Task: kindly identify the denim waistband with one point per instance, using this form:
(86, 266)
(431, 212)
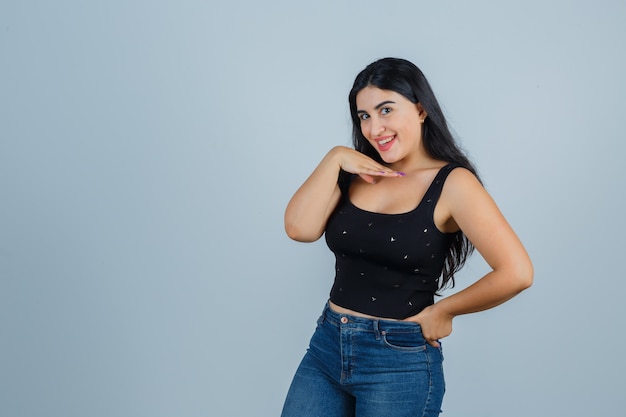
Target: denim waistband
(367, 324)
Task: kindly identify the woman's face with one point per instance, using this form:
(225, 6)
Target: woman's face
(391, 123)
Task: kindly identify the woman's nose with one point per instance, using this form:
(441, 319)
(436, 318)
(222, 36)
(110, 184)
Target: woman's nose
(376, 128)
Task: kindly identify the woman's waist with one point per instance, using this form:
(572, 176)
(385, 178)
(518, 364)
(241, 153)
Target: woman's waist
(355, 321)
(346, 311)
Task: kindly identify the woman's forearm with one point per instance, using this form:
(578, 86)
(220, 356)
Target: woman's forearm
(490, 291)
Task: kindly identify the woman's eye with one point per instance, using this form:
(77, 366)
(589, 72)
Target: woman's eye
(385, 110)
(364, 116)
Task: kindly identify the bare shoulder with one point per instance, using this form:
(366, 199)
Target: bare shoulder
(461, 192)
(462, 184)
(470, 206)
(461, 176)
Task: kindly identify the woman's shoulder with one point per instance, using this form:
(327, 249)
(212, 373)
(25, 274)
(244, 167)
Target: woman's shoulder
(461, 184)
(452, 172)
(459, 173)
(464, 191)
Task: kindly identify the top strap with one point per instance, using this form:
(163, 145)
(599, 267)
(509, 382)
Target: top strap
(434, 191)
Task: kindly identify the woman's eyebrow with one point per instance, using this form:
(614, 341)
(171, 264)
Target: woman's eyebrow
(383, 103)
(378, 106)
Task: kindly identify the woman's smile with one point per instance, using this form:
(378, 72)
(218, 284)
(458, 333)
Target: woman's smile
(385, 142)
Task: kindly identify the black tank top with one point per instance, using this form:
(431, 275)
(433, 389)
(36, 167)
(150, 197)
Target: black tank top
(388, 265)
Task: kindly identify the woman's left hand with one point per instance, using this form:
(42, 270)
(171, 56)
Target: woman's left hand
(435, 324)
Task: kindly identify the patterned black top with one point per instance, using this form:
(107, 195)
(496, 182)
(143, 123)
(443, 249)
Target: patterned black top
(388, 265)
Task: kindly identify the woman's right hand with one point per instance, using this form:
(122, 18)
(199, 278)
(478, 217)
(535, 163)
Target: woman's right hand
(355, 162)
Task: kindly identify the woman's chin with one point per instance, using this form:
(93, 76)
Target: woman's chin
(388, 159)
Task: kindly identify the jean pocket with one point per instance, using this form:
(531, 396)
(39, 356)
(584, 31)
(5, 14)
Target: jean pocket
(406, 341)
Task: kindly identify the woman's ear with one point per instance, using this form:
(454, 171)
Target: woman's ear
(422, 112)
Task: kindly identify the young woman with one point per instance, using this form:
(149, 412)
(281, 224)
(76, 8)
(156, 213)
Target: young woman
(401, 212)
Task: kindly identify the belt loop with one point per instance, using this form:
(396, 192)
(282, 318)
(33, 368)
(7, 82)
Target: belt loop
(376, 330)
(324, 315)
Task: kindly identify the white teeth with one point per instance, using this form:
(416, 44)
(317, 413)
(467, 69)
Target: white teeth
(386, 141)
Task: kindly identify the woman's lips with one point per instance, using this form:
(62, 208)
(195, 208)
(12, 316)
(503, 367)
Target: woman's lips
(385, 142)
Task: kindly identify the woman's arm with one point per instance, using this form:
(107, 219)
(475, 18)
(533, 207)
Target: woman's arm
(309, 208)
(476, 214)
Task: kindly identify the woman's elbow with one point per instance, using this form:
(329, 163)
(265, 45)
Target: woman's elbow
(524, 275)
(299, 234)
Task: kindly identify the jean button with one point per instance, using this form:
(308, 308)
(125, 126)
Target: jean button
(344, 320)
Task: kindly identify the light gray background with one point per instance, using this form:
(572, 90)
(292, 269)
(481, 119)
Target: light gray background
(148, 149)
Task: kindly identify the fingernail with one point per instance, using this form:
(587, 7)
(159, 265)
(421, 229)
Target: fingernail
(400, 173)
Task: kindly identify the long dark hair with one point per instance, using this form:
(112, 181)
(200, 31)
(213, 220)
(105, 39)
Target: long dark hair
(406, 78)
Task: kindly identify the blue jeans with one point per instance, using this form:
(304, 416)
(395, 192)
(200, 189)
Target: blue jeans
(358, 367)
